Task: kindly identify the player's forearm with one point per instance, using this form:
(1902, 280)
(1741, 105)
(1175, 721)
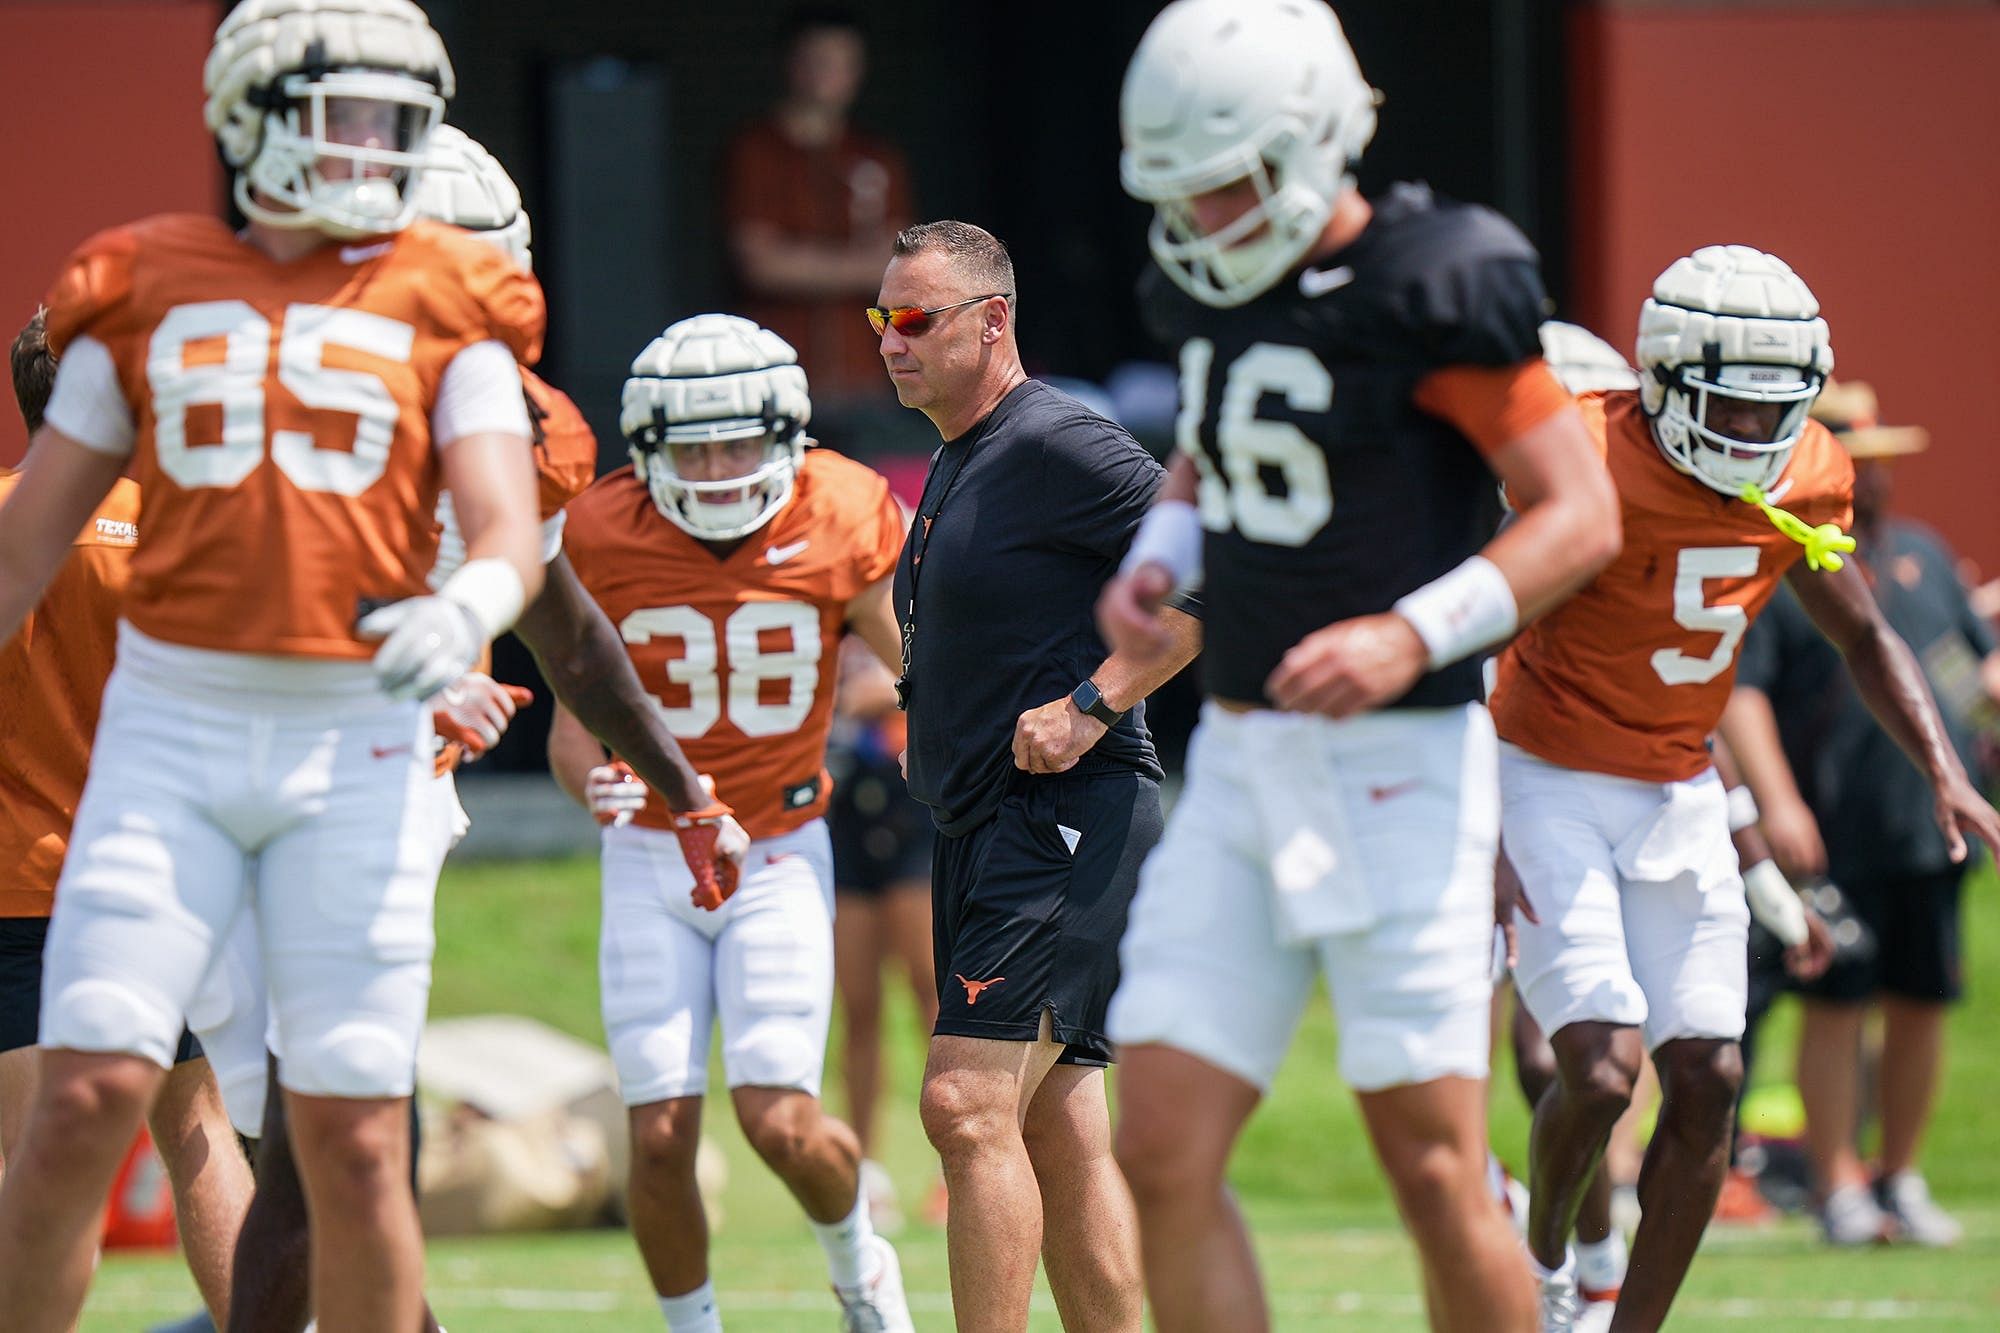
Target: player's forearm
(1892, 684)
(61, 483)
(572, 753)
(1558, 544)
(1124, 682)
(588, 671)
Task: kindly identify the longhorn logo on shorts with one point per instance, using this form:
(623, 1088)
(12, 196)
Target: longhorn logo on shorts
(973, 988)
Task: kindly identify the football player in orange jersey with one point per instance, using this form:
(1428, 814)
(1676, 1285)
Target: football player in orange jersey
(1612, 813)
(289, 400)
(51, 681)
(731, 560)
(587, 669)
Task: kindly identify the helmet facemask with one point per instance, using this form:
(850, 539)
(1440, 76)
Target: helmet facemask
(1722, 460)
(312, 120)
(726, 508)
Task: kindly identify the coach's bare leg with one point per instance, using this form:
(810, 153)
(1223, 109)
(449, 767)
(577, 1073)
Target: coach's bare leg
(1090, 1232)
(353, 1156)
(975, 1099)
(817, 1156)
(1535, 1071)
(1912, 1059)
(1829, 1078)
(210, 1176)
(1178, 1119)
(668, 1222)
(1682, 1174)
(1432, 1142)
(1597, 1065)
(86, 1109)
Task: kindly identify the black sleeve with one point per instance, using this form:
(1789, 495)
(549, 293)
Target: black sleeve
(1097, 483)
(1485, 312)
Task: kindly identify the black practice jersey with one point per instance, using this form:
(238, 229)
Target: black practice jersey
(1326, 493)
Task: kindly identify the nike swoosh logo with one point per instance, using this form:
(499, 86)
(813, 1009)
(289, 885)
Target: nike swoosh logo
(778, 555)
(388, 751)
(1318, 282)
(361, 254)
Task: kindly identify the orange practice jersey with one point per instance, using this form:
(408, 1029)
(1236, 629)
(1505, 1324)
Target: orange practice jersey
(1629, 677)
(565, 446)
(52, 678)
(741, 650)
(283, 416)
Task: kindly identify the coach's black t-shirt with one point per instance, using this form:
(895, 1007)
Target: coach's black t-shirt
(1029, 513)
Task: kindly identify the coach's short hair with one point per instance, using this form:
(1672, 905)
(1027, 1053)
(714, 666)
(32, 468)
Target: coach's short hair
(976, 254)
(34, 369)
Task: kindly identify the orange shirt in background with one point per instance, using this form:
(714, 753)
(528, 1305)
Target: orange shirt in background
(854, 189)
(52, 678)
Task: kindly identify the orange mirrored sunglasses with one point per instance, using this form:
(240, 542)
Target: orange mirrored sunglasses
(912, 320)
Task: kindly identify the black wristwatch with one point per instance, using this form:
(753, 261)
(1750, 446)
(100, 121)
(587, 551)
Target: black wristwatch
(1089, 700)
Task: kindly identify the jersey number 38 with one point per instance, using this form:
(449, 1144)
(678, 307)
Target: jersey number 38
(762, 643)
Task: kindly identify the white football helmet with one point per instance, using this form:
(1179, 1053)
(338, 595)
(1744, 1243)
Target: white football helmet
(282, 78)
(1222, 91)
(465, 185)
(716, 378)
(1733, 322)
(1582, 361)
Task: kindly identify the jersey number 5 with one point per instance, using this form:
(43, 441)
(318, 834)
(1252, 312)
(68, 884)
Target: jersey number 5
(234, 384)
(730, 671)
(1694, 565)
(1251, 447)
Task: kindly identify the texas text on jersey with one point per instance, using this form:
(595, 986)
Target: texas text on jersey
(334, 360)
(1630, 676)
(52, 677)
(1336, 422)
(738, 645)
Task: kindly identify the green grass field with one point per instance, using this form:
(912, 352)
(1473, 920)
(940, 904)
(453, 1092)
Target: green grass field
(522, 938)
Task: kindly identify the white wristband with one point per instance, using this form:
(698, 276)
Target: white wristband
(490, 588)
(1170, 537)
(1775, 903)
(1470, 608)
(1742, 809)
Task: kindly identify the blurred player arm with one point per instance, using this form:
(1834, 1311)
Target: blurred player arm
(62, 483)
(573, 752)
(1568, 524)
(598, 692)
(1891, 683)
(1165, 555)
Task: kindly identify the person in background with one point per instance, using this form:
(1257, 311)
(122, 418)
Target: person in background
(1838, 798)
(882, 840)
(810, 207)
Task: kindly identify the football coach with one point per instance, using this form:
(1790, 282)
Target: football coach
(1027, 740)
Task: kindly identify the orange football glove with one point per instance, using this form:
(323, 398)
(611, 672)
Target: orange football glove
(714, 845)
(475, 710)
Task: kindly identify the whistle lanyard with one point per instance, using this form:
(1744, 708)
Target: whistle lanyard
(920, 540)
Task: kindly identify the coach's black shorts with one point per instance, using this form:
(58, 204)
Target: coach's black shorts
(881, 834)
(21, 940)
(1027, 909)
(1916, 955)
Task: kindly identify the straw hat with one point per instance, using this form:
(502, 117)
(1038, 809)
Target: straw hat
(1849, 410)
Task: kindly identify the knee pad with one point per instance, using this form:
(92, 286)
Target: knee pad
(100, 1014)
(358, 1057)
